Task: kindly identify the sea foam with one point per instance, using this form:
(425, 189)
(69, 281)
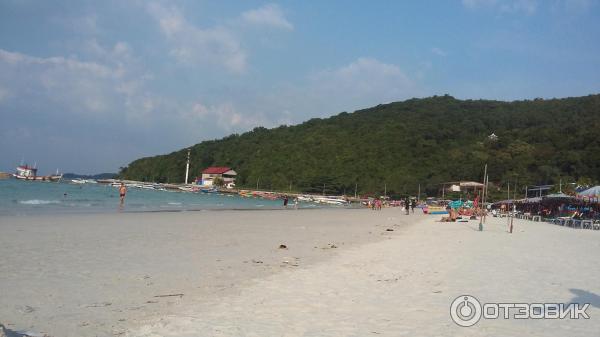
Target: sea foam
(38, 202)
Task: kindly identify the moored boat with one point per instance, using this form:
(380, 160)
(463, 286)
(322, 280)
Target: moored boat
(209, 190)
(26, 172)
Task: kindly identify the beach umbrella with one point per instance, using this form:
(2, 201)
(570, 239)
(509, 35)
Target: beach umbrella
(593, 192)
(590, 193)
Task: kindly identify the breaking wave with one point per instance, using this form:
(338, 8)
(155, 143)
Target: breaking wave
(38, 202)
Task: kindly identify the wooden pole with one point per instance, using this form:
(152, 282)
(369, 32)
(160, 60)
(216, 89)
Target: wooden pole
(487, 180)
(482, 198)
(508, 206)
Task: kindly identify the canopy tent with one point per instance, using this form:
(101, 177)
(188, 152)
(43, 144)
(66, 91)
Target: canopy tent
(529, 200)
(471, 184)
(593, 192)
(459, 203)
(462, 186)
(503, 202)
(559, 195)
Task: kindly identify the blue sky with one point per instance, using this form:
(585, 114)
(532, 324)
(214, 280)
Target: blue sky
(88, 86)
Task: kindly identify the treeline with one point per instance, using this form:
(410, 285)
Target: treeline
(395, 147)
(90, 176)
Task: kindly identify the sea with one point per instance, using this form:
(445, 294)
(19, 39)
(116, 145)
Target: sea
(34, 197)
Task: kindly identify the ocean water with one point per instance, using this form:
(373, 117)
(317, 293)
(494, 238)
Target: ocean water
(33, 197)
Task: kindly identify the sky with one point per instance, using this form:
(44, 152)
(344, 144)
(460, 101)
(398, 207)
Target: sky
(89, 86)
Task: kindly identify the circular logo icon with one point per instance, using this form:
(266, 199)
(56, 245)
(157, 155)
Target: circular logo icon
(465, 310)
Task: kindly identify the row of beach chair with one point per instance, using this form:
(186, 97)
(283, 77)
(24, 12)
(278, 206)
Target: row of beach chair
(577, 223)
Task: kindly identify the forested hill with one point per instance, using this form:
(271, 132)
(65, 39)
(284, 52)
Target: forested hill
(399, 145)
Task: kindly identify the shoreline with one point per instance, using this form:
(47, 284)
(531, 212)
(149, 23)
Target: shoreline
(82, 212)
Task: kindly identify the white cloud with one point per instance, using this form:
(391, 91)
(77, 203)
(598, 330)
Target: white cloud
(438, 51)
(224, 115)
(4, 94)
(472, 4)
(573, 6)
(363, 83)
(364, 80)
(110, 86)
(268, 15)
(193, 46)
(528, 7)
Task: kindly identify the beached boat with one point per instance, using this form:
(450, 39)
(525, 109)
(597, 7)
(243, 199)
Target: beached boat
(209, 190)
(191, 188)
(330, 200)
(26, 172)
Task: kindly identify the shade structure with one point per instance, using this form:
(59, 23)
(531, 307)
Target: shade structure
(559, 195)
(593, 192)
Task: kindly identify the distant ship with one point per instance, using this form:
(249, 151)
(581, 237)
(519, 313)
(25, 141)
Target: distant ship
(26, 172)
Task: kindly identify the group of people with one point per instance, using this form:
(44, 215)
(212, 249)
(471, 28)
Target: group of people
(375, 205)
(286, 201)
(556, 208)
(408, 204)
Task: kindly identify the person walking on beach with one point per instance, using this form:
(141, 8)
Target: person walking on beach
(122, 192)
(412, 206)
(407, 205)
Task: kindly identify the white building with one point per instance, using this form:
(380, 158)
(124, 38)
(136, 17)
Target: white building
(227, 174)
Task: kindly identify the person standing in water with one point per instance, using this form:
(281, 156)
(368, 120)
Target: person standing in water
(122, 192)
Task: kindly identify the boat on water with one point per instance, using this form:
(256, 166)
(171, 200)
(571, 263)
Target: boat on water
(26, 172)
(83, 181)
(330, 200)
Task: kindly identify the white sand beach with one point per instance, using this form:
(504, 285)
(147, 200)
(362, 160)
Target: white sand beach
(99, 275)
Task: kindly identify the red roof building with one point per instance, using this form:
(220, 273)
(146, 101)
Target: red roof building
(216, 170)
(209, 174)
